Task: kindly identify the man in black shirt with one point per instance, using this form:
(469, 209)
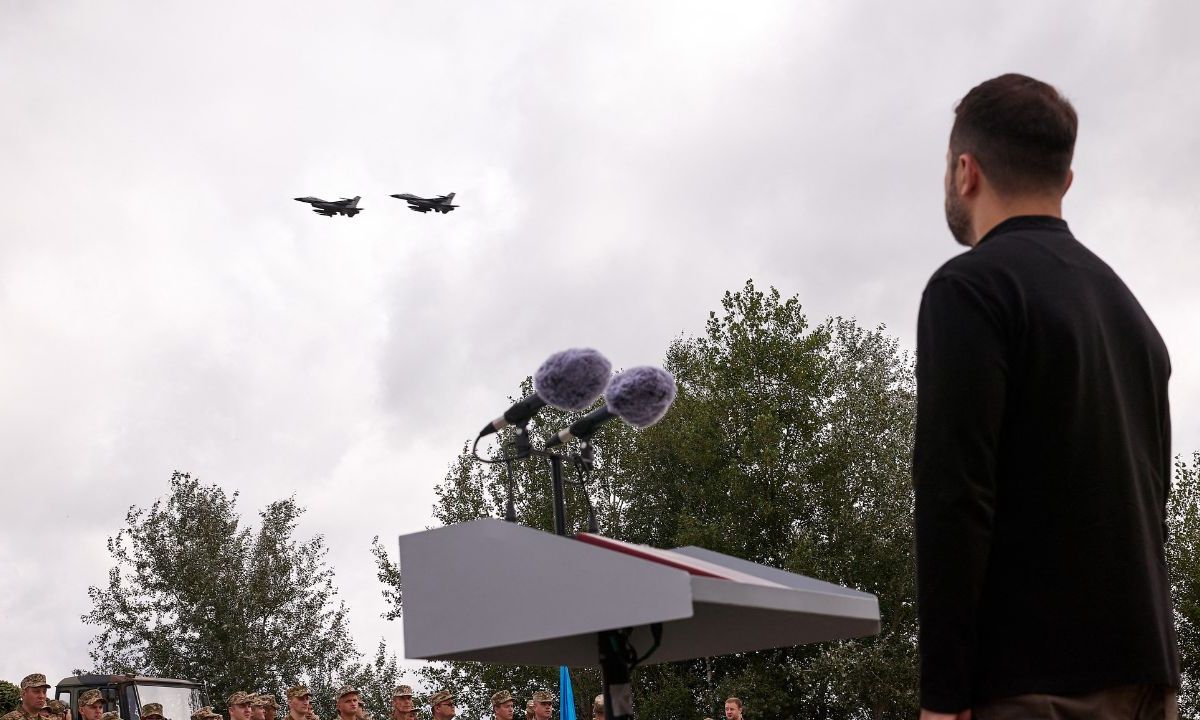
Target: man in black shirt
(1042, 458)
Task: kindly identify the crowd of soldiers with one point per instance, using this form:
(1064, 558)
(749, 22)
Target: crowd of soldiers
(245, 706)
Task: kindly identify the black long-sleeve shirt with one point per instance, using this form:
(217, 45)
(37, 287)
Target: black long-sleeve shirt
(1041, 467)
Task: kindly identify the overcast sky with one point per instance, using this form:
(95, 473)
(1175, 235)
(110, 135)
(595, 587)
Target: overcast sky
(165, 304)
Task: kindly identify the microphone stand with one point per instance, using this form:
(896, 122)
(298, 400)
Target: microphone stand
(617, 656)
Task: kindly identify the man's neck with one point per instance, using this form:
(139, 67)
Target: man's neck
(993, 213)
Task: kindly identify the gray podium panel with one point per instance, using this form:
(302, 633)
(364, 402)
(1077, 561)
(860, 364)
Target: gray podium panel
(489, 584)
(555, 594)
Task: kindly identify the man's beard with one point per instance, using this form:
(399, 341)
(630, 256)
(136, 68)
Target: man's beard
(957, 217)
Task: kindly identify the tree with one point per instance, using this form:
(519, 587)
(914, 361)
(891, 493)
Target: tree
(194, 593)
(789, 444)
(10, 696)
(1183, 562)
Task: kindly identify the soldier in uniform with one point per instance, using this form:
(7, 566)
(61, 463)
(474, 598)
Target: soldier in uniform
(299, 704)
(56, 710)
(33, 698)
(502, 705)
(347, 703)
(543, 705)
(111, 715)
(239, 706)
(268, 706)
(442, 704)
(402, 704)
(91, 704)
(206, 713)
(152, 711)
(529, 710)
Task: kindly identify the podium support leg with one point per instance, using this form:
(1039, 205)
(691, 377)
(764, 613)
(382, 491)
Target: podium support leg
(615, 674)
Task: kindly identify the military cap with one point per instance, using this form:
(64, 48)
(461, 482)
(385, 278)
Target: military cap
(345, 690)
(150, 710)
(239, 698)
(542, 696)
(203, 713)
(90, 697)
(297, 691)
(440, 697)
(111, 715)
(56, 707)
(36, 680)
(267, 700)
(402, 691)
(501, 697)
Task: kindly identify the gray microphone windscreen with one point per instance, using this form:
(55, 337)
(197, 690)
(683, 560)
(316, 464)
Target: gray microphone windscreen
(641, 395)
(572, 379)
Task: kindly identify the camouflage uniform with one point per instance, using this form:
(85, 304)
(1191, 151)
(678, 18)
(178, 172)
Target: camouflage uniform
(33, 680)
(296, 692)
(541, 696)
(111, 715)
(437, 699)
(502, 697)
(403, 691)
(90, 697)
(152, 710)
(267, 700)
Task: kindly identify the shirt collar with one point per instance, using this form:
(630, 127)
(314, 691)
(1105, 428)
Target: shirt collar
(1024, 222)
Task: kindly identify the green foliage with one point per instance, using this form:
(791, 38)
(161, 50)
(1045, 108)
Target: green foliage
(389, 575)
(1183, 562)
(196, 594)
(10, 696)
(789, 445)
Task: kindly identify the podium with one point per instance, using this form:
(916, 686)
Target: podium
(494, 591)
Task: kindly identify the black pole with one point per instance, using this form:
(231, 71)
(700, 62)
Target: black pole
(615, 669)
(560, 507)
(615, 674)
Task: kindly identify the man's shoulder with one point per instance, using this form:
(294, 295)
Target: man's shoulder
(17, 714)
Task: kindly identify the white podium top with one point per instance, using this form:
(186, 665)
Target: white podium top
(498, 592)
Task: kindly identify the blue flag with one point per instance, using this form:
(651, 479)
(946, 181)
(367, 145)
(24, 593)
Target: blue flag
(566, 698)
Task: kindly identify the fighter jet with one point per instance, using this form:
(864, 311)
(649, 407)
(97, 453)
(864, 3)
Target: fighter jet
(346, 206)
(441, 203)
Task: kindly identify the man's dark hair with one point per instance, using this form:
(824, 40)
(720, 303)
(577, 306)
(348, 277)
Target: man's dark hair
(1020, 131)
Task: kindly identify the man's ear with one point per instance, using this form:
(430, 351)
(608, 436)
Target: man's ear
(967, 179)
(1070, 179)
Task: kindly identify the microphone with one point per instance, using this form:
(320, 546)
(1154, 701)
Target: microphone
(581, 428)
(569, 380)
(640, 396)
